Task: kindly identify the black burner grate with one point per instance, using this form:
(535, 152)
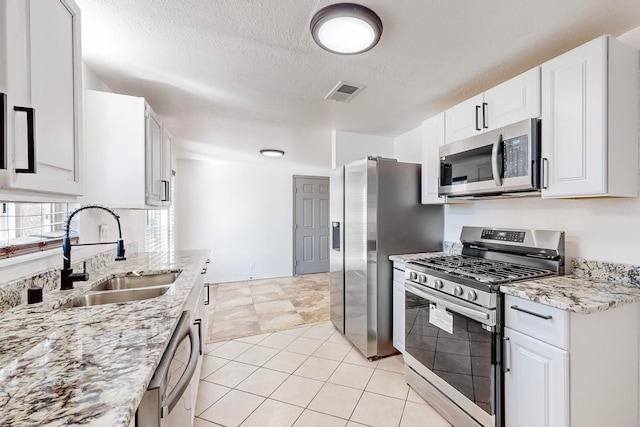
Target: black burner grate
(480, 269)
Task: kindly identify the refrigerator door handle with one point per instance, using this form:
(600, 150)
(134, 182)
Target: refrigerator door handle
(335, 235)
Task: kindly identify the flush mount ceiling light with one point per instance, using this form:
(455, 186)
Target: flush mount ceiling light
(346, 28)
(272, 153)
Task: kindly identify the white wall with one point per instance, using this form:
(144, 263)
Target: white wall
(349, 146)
(242, 212)
(408, 146)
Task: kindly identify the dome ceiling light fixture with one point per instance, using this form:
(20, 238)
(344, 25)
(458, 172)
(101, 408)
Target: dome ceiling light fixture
(270, 152)
(346, 28)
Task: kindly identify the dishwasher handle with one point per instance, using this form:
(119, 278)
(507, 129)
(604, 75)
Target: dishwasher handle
(174, 396)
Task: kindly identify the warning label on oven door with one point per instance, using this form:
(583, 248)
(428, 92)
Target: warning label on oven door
(439, 317)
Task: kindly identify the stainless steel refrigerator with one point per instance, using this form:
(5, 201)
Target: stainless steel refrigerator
(375, 212)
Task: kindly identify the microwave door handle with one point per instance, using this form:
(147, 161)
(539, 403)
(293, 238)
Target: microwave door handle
(495, 167)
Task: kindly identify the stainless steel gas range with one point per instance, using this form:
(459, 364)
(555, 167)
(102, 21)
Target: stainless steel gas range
(453, 318)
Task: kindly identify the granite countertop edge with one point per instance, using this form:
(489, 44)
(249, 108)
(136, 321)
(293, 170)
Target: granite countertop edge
(570, 293)
(90, 365)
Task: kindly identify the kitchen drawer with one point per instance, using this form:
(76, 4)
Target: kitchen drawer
(398, 275)
(548, 324)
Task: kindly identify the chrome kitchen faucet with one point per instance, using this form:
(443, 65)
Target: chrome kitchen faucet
(67, 276)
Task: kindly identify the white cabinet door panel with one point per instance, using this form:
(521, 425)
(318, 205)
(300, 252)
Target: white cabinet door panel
(514, 100)
(398, 315)
(464, 120)
(537, 383)
(432, 139)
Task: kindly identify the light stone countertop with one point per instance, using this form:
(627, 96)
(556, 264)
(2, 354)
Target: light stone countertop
(89, 365)
(583, 292)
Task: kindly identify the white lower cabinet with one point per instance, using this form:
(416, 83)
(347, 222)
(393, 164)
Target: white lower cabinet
(398, 306)
(536, 382)
(568, 369)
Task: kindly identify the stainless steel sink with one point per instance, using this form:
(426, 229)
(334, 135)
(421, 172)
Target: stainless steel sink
(136, 282)
(110, 297)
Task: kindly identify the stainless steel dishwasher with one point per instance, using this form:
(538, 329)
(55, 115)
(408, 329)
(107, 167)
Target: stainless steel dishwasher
(168, 401)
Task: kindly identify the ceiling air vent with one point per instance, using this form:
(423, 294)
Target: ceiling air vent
(344, 91)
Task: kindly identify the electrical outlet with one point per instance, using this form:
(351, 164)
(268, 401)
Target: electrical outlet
(102, 232)
(252, 265)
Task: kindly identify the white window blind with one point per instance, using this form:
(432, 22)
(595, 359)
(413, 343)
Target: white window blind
(32, 227)
(159, 231)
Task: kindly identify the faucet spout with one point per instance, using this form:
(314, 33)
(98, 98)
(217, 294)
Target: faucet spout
(67, 276)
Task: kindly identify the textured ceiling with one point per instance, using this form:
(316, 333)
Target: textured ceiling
(232, 76)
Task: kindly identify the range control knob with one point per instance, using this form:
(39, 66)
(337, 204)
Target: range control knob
(472, 295)
(413, 275)
(439, 284)
(422, 279)
(457, 291)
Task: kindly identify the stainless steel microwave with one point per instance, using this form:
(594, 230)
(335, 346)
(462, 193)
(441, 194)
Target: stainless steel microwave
(505, 161)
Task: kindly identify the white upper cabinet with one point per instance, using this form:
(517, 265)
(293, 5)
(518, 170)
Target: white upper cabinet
(590, 121)
(510, 102)
(128, 152)
(42, 86)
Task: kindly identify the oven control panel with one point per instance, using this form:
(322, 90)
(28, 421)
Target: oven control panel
(483, 298)
(503, 235)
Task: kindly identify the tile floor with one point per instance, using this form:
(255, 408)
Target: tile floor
(239, 309)
(309, 376)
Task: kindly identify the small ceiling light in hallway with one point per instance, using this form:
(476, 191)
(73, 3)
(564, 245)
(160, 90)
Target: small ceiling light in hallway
(272, 153)
(346, 28)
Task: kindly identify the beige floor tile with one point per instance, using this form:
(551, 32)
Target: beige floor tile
(241, 312)
(414, 397)
(225, 330)
(316, 419)
(210, 347)
(416, 414)
(273, 414)
(210, 364)
(233, 408)
(274, 307)
(233, 302)
(351, 376)
(199, 422)
(265, 289)
(296, 331)
(208, 394)
(269, 297)
(378, 411)
(338, 338)
(297, 391)
(279, 320)
(312, 316)
(304, 346)
(392, 363)
(336, 400)
(277, 340)
(232, 292)
(356, 358)
(286, 361)
(257, 355)
(317, 368)
(232, 285)
(318, 332)
(333, 351)
(253, 339)
(231, 374)
(354, 424)
(231, 349)
(263, 382)
(388, 383)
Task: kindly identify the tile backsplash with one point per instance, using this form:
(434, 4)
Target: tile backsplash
(14, 293)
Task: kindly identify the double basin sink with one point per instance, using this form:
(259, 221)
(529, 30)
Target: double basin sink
(126, 288)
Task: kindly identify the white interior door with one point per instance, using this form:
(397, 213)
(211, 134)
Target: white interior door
(311, 228)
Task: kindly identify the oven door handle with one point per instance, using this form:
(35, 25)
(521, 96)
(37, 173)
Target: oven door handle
(451, 305)
(174, 396)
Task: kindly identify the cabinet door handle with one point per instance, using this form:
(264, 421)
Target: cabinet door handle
(484, 115)
(545, 173)
(3, 131)
(204, 271)
(477, 119)
(542, 316)
(31, 139)
(507, 348)
(207, 261)
(208, 300)
(198, 322)
(165, 183)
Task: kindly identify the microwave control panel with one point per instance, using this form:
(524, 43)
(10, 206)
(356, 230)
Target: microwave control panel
(503, 235)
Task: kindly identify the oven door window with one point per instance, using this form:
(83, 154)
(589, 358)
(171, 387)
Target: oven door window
(463, 358)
